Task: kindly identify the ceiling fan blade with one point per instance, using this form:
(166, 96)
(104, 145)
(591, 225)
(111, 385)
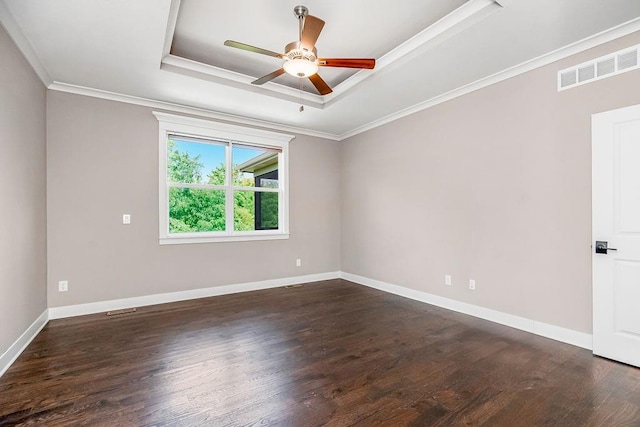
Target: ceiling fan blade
(262, 80)
(254, 49)
(311, 31)
(347, 62)
(320, 84)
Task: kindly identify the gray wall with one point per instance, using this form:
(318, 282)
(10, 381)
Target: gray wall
(102, 159)
(23, 262)
(493, 186)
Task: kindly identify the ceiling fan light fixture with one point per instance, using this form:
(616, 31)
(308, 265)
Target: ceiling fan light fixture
(300, 67)
(301, 56)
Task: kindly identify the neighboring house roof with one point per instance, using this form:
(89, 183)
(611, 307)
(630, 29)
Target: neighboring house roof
(261, 162)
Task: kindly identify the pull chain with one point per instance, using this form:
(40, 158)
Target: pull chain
(301, 106)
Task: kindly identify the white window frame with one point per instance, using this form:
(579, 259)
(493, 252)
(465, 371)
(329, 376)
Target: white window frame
(171, 124)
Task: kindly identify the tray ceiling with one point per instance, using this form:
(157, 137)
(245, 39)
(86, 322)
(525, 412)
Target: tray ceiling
(353, 29)
(171, 51)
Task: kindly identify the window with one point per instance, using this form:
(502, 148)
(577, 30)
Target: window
(221, 182)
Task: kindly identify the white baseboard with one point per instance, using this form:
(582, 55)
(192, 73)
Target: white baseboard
(16, 349)
(120, 304)
(569, 336)
(557, 333)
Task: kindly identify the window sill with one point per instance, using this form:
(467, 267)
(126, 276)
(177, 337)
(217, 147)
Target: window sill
(180, 240)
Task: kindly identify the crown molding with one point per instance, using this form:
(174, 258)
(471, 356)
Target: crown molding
(546, 59)
(18, 37)
(185, 109)
(559, 54)
(16, 34)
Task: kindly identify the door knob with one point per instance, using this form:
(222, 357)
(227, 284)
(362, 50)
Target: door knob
(602, 247)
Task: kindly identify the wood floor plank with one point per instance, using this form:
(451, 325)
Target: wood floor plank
(325, 354)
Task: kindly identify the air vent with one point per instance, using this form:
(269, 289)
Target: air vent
(599, 68)
(607, 66)
(628, 60)
(568, 78)
(586, 73)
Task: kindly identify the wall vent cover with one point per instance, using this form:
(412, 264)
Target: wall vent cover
(606, 66)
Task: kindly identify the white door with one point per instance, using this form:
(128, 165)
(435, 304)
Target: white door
(616, 220)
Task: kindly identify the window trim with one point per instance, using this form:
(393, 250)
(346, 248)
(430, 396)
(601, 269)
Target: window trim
(229, 134)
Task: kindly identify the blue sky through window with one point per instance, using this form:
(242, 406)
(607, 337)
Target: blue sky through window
(212, 155)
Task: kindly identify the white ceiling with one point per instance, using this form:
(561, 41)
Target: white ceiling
(172, 51)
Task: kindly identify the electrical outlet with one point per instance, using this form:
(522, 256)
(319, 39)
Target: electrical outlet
(447, 280)
(298, 262)
(63, 286)
(126, 219)
(472, 284)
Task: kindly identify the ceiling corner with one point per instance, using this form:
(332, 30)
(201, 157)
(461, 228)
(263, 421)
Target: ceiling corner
(16, 34)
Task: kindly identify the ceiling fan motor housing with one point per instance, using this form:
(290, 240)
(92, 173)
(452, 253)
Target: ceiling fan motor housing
(294, 50)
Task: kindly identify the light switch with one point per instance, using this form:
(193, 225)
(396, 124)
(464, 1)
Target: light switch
(126, 219)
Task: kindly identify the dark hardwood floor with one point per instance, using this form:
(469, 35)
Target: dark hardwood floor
(329, 353)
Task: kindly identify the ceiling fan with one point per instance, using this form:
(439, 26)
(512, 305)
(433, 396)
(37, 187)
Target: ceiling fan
(301, 57)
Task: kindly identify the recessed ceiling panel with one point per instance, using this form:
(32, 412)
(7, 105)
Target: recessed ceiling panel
(353, 29)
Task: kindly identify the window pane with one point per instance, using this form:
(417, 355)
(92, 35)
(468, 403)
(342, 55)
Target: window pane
(193, 162)
(255, 210)
(266, 211)
(244, 210)
(194, 210)
(255, 167)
